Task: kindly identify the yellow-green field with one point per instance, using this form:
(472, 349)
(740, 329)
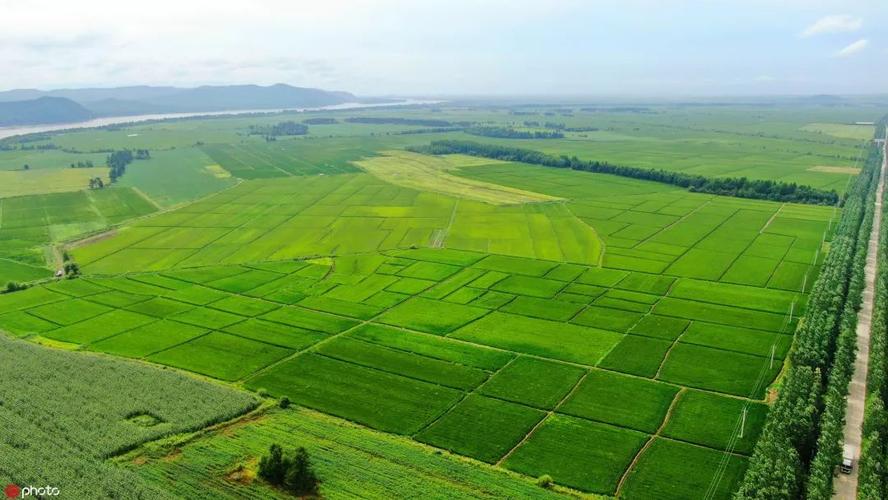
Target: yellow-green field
(432, 173)
(27, 182)
(842, 130)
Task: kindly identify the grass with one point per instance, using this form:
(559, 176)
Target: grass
(481, 428)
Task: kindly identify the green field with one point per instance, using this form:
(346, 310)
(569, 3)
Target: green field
(100, 407)
(475, 324)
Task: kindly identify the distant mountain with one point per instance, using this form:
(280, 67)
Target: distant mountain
(234, 97)
(42, 110)
(138, 100)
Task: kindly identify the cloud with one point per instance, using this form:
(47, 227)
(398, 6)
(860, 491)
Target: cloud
(842, 23)
(853, 48)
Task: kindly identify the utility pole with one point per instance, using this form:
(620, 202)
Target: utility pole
(773, 348)
(743, 421)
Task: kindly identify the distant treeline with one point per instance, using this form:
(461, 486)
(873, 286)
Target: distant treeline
(83, 164)
(421, 122)
(617, 109)
(280, 129)
(561, 126)
(320, 121)
(118, 160)
(511, 133)
(728, 186)
(433, 130)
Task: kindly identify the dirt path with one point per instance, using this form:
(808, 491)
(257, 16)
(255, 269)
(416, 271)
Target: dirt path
(846, 484)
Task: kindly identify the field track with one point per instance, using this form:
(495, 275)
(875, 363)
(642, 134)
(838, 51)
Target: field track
(846, 484)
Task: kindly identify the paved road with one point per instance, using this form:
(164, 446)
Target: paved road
(846, 484)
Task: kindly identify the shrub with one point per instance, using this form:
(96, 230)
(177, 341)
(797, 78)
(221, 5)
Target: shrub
(545, 481)
(284, 402)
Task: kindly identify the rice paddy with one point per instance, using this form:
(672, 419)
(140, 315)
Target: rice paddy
(604, 331)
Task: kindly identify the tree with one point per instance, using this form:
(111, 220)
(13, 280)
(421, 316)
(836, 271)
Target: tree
(26, 167)
(72, 270)
(13, 286)
(291, 472)
(272, 467)
(300, 478)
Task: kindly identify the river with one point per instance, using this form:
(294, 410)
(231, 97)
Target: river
(116, 120)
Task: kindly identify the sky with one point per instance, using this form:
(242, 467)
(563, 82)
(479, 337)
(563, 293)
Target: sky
(453, 47)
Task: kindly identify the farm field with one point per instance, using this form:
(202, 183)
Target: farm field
(100, 407)
(25, 182)
(29, 223)
(388, 465)
(447, 324)
(423, 342)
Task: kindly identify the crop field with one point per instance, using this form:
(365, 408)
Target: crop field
(99, 407)
(29, 222)
(388, 465)
(447, 324)
(176, 176)
(430, 173)
(25, 182)
(458, 350)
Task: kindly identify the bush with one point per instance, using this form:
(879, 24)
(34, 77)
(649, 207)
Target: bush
(545, 481)
(262, 393)
(284, 402)
(13, 286)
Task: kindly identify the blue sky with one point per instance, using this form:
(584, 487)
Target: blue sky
(627, 48)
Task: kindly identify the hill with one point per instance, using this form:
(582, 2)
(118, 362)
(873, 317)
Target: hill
(135, 100)
(42, 110)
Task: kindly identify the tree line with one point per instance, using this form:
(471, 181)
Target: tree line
(320, 121)
(801, 442)
(422, 122)
(286, 128)
(741, 187)
(118, 160)
(873, 466)
(511, 133)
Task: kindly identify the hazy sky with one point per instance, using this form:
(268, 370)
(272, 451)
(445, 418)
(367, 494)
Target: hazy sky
(426, 47)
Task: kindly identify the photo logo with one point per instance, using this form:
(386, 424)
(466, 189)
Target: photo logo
(16, 491)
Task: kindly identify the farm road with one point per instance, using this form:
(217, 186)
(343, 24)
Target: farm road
(846, 484)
